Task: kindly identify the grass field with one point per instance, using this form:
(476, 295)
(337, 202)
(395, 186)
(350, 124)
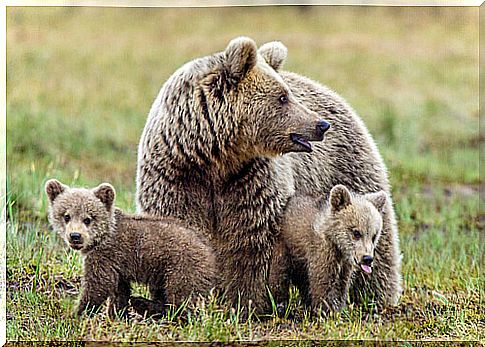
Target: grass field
(80, 82)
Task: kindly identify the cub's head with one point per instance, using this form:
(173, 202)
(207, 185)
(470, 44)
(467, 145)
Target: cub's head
(235, 102)
(82, 217)
(355, 223)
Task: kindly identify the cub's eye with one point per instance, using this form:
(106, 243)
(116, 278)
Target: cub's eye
(357, 234)
(67, 218)
(87, 221)
(283, 99)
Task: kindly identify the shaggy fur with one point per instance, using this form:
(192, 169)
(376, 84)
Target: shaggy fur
(200, 159)
(210, 154)
(118, 249)
(327, 244)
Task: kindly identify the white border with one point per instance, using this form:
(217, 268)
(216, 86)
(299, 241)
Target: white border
(214, 3)
(137, 3)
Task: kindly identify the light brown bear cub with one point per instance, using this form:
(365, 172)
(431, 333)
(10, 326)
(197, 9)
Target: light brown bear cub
(328, 245)
(119, 249)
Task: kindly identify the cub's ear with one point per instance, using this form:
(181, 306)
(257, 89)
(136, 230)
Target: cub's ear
(106, 193)
(241, 56)
(274, 53)
(379, 199)
(339, 198)
(53, 188)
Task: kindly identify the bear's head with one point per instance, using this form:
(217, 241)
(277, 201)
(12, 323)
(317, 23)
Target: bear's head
(82, 217)
(354, 224)
(233, 105)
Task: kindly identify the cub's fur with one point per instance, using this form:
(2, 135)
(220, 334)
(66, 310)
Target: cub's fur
(119, 249)
(329, 244)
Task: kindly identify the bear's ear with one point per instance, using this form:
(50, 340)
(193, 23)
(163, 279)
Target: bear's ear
(106, 193)
(53, 188)
(274, 53)
(379, 200)
(339, 198)
(241, 56)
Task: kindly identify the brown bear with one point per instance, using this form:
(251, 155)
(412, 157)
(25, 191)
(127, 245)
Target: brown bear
(174, 261)
(326, 244)
(206, 156)
(214, 152)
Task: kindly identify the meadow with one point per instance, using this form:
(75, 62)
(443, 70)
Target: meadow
(80, 82)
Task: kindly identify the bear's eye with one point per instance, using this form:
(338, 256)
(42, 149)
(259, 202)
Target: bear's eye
(357, 234)
(283, 99)
(67, 218)
(87, 221)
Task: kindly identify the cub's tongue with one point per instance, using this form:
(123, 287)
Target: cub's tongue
(366, 268)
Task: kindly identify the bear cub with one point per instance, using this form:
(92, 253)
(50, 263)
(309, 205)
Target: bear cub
(330, 242)
(173, 261)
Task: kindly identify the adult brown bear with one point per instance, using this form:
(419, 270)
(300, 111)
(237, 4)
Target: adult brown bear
(214, 152)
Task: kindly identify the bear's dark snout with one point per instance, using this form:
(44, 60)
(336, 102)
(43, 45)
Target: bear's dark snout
(322, 128)
(75, 238)
(367, 260)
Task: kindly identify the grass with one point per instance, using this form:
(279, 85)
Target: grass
(80, 82)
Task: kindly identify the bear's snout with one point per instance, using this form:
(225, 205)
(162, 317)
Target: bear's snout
(75, 238)
(366, 264)
(302, 139)
(322, 128)
(367, 260)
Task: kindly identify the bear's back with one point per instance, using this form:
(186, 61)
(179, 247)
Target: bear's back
(347, 155)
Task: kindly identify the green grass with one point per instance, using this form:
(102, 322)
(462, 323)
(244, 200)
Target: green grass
(80, 82)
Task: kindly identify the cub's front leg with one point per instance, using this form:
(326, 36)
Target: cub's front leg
(329, 282)
(101, 281)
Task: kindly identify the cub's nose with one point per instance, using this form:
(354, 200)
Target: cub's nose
(75, 237)
(367, 260)
(322, 128)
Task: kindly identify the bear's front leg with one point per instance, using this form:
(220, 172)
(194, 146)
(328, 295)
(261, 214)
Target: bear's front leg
(329, 282)
(147, 307)
(279, 274)
(119, 299)
(92, 297)
(248, 208)
(101, 281)
(245, 279)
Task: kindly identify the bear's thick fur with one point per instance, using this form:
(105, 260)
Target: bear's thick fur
(326, 244)
(214, 153)
(205, 156)
(175, 262)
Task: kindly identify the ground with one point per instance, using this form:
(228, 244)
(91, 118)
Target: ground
(80, 84)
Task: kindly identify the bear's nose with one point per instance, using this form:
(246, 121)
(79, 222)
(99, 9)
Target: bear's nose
(75, 237)
(322, 127)
(367, 260)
